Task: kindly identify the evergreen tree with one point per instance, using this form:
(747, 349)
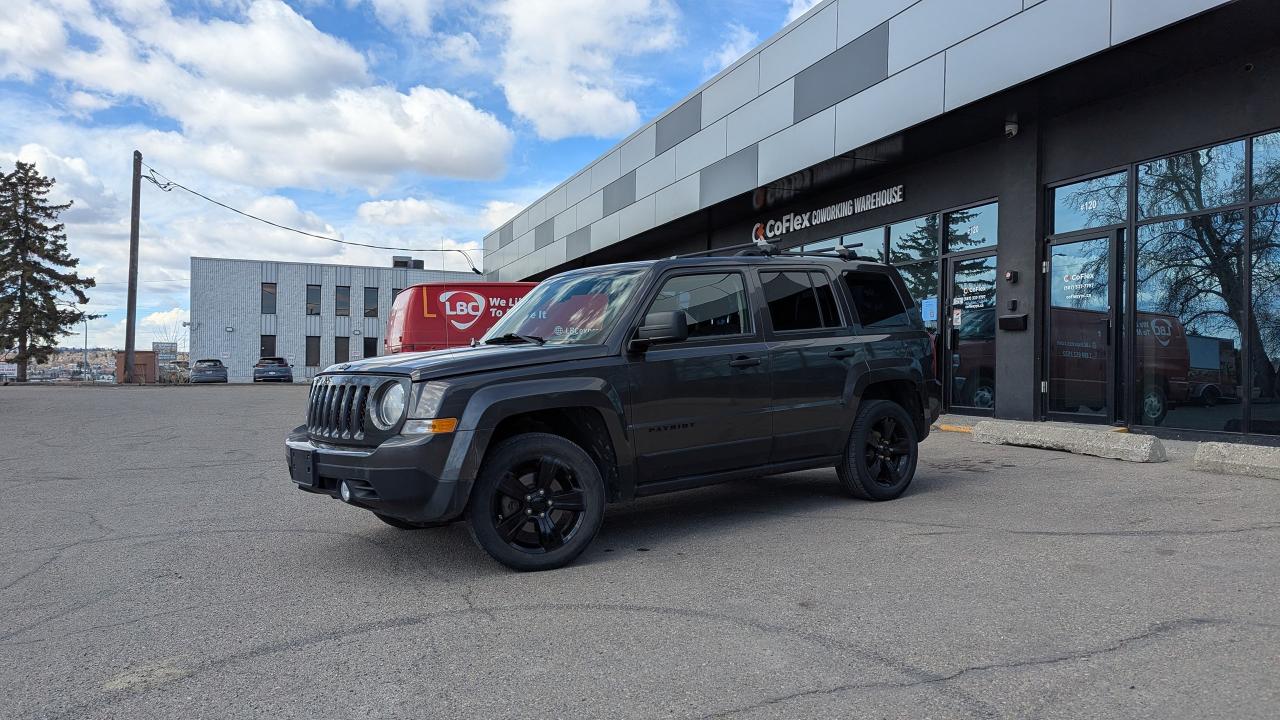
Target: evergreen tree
(35, 268)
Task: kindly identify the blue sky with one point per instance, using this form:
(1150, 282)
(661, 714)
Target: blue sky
(422, 123)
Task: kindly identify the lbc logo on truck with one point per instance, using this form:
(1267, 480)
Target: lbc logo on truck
(462, 307)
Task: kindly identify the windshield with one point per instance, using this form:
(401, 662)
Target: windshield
(575, 309)
(208, 363)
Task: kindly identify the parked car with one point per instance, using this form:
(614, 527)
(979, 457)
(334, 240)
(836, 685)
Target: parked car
(272, 369)
(209, 370)
(435, 316)
(617, 382)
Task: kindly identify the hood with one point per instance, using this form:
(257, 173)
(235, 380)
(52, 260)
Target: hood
(458, 361)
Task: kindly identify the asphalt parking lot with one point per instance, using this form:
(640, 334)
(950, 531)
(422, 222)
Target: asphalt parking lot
(157, 563)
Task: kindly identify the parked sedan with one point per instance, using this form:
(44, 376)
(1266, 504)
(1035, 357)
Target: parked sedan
(273, 369)
(209, 371)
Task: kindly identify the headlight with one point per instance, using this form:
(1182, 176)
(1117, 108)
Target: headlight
(424, 411)
(390, 406)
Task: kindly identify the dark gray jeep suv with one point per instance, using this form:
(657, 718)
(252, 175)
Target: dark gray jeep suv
(611, 383)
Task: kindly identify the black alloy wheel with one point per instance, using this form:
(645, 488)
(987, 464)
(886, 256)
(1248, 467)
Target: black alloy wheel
(538, 502)
(539, 505)
(880, 460)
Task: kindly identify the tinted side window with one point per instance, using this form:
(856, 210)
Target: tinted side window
(876, 299)
(792, 303)
(826, 300)
(715, 304)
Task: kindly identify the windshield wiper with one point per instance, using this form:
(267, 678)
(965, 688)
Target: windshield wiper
(516, 337)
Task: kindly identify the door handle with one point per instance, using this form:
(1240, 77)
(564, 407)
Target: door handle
(841, 353)
(743, 361)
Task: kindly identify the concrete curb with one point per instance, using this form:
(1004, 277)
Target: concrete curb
(1082, 441)
(1237, 459)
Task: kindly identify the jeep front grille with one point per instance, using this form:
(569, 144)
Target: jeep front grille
(339, 407)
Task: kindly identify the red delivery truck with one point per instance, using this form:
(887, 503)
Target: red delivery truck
(435, 316)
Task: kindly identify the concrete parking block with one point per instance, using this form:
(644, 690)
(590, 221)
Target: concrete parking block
(1237, 459)
(1073, 439)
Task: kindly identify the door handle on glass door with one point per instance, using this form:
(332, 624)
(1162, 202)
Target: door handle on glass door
(744, 361)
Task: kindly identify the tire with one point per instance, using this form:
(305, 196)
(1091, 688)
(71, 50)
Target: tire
(1153, 404)
(880, 460)
(538, 502)
(1209, 396)
(406, 525)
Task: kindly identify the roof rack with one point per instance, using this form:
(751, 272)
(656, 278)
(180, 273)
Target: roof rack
(843, 252)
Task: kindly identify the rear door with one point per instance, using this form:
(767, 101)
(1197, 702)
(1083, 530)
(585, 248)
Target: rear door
(702, 406)
(810, 357)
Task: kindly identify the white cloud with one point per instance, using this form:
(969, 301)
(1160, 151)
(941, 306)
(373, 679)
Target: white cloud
(497, 212)
(416, 15)
(165, 319)
(275, 51)
(270, 101)
(738, 41)
(90, 198)
(796, 8)
(560, 62)
(407, 211)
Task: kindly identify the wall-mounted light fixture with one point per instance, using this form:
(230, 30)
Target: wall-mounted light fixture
(229, 329)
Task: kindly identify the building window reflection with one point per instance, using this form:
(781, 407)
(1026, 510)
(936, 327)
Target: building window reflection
(1264, 330)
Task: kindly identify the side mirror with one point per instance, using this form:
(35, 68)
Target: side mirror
(663, 327)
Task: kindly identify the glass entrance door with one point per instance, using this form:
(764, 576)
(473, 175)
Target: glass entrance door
(1083, 328)
(972, 337)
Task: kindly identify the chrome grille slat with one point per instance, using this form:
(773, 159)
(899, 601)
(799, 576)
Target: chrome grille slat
(344, 419)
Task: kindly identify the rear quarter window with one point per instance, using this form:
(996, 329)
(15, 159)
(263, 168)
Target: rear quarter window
(876, 300)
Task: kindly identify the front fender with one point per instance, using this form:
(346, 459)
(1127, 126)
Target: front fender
(489, 406)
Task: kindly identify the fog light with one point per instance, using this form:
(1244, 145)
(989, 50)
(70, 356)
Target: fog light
(344, 490)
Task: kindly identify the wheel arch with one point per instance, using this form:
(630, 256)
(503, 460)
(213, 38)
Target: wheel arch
(896, 386)
(587, 411)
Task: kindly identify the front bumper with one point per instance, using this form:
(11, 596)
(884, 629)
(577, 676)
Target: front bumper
(404, 477)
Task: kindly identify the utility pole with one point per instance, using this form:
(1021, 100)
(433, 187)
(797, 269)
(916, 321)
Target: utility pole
(130, 319)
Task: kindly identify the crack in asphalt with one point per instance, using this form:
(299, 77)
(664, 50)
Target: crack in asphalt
(84, 708)
(1154, 631)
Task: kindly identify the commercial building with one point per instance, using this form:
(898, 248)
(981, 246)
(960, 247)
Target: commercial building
(311, 314)
(1083, 195)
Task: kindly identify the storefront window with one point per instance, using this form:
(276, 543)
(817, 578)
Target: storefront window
(1266, 167)
(914, 240)
(1264, 334)
(973, 317)
(1194, 181)
(872, 242)
(922, 283)
(972, 228)
(1190, 310)
(1091, 203)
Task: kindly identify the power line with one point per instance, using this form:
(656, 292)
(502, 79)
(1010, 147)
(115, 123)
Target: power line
(157, 178)
(175, 280)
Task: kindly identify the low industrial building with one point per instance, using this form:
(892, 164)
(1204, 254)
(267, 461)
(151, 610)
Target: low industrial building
(1083, 195)
(311, 314)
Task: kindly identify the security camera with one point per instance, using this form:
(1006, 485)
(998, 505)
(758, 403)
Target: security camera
(1010, 129)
